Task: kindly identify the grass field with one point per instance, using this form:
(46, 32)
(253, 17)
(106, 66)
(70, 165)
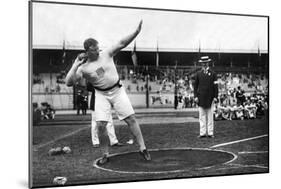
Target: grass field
(247, 140)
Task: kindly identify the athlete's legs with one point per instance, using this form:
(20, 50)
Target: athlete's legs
(102, 113)
(124, 110)
(103, 137)
(136, 131)
(94, 130)
(111, 132)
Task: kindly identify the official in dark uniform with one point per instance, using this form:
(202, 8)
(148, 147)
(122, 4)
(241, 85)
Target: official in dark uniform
(205, 93)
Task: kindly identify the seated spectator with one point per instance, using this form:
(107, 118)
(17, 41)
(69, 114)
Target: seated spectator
(238, 111)
(61, 77)
(156, 98)
(129, 88)
(47, 89)
(37, 79)
(250, 109)
(222, 112)
(217, 112)
(180, 98)
(47, 111)
(58, 88)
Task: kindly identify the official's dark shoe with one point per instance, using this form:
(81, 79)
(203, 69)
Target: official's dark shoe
(211, 136)
(202, 136)
(118, 144)
(145, 154)
(103, 160)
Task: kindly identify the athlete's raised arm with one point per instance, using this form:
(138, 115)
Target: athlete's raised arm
(125, 41)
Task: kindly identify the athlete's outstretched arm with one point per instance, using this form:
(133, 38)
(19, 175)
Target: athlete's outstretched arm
(74, 75)
(125, 41)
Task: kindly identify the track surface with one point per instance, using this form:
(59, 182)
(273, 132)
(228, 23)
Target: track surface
(247, 140)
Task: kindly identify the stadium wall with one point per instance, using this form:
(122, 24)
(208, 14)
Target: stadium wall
(65, 101)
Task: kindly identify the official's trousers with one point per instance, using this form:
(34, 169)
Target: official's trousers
(206, 120)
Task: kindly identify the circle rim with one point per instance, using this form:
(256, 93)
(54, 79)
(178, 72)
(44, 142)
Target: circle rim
(160, 172)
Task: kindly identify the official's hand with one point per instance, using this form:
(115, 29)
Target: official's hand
(215, 100)
(196, 99)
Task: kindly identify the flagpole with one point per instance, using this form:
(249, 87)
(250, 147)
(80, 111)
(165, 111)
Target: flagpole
(157, 58)
(157, 55)
(259, 55)
(199, 54)
(175, 90)
(147, 90)
(219, 61)
(63, 52)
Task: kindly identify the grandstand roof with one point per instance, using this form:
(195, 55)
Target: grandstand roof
(172, 31)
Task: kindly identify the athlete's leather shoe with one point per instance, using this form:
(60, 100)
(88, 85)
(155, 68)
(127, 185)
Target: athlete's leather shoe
(145, 154)
(103, 160)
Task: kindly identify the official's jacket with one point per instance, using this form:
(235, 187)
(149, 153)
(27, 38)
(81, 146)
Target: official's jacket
(205, 88)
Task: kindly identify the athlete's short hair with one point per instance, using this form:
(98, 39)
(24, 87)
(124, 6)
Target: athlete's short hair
(90, 42)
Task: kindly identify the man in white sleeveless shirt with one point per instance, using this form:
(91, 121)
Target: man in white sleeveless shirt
(99, 69)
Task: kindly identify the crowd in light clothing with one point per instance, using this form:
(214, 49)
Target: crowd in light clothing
(235, 104)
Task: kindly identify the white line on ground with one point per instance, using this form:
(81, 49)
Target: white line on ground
(238, 141)
(237, 166)
(59, 138)
(257, 165)
(256, 152)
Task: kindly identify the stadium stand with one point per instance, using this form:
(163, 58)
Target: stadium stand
(249, 71)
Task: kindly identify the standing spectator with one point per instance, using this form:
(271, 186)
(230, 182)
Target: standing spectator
(84, 102)
(79, 99)
(36, 113)
(205, 92)
(240, 95)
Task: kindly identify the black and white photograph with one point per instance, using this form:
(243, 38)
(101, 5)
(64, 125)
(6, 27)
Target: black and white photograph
(126, 94)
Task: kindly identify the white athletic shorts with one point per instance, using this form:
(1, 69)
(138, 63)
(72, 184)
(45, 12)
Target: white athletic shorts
(116, 98)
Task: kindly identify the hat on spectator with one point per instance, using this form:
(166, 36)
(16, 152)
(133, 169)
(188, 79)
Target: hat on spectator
(204, 59)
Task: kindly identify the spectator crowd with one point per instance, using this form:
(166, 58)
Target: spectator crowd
(241, 95)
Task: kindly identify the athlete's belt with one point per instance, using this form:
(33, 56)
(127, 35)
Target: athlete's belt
(117, 84)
